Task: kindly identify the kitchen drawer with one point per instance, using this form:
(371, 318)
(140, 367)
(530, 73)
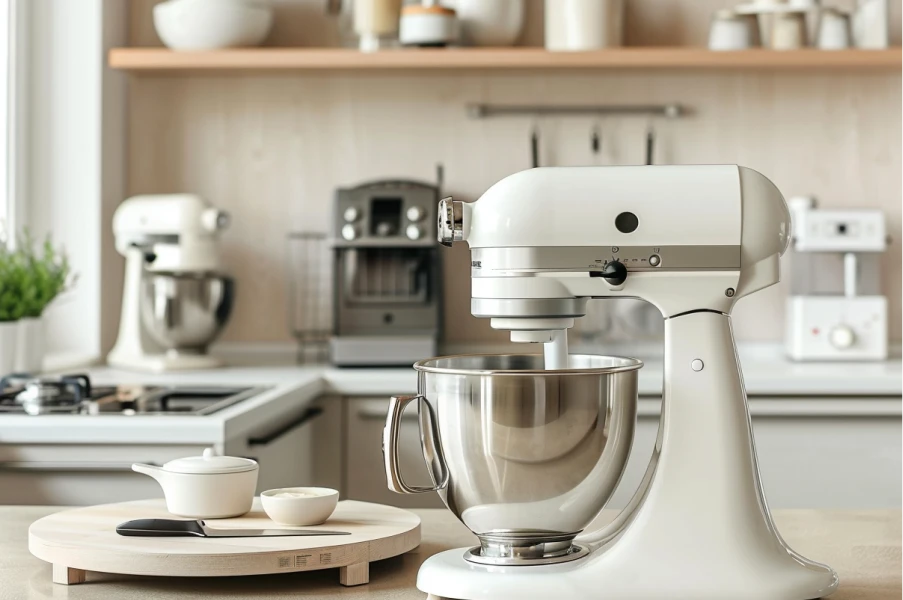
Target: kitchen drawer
(365, 473)
(806, 461)
(283, 448)
(830, 462)
(62, 474)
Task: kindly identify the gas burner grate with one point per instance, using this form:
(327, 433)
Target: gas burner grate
(42, 395)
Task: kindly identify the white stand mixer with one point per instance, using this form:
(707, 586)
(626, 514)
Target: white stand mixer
(161, 234)
(691, 240)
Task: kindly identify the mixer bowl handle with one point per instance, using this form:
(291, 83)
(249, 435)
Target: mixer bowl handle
(431, 444)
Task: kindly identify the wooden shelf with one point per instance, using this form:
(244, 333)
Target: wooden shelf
(150, 60)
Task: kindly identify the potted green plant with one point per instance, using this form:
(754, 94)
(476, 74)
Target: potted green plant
(47, 275)
(13, 285)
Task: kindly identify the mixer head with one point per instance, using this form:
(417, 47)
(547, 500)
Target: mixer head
(684, 238)
(178, 230)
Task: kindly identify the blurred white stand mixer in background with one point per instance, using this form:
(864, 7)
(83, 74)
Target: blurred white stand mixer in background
(175, 299)
(691, 240)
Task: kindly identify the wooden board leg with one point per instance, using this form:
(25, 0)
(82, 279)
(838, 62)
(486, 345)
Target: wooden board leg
(356, 574)
(66, 576)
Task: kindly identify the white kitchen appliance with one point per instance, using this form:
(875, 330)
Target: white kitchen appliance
(692, 240)
(835, 310)
(174, 300)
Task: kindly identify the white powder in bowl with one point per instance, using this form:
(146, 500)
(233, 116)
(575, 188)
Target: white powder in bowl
(294, 495)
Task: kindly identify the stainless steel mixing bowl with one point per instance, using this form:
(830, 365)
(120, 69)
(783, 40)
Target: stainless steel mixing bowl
(525, 457)
(184, 312)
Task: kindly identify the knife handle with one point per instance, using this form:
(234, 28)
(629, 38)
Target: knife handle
(160, 528)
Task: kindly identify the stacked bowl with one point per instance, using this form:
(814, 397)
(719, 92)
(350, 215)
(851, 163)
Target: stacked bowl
(212, 24)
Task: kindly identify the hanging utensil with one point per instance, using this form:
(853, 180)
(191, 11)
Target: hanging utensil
(534, 146)
(650, 146)
(595, 143)
(333, 7)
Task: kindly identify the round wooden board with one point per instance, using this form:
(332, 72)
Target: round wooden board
(85, 539)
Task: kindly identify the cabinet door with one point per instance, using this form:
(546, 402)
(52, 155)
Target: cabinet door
(819, 461)
(365, 473)
(284, 449)
(830, 462)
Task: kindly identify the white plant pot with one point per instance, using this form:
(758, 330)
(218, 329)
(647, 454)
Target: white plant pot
(9, 337)
(490, 22)
(30, 346)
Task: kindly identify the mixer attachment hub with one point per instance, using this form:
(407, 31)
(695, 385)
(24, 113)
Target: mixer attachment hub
(513, 548)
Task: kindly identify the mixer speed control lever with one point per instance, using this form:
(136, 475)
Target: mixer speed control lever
(615, 272)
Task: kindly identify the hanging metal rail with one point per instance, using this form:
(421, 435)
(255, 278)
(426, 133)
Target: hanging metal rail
(483, 111)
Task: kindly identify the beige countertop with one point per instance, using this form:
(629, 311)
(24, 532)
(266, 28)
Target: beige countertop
(863, 546)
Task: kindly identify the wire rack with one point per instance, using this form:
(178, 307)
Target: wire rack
(310, 294)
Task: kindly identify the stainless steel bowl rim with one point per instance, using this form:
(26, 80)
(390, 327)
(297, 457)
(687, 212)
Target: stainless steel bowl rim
(424, 366)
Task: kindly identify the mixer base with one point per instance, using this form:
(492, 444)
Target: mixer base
(447, 576)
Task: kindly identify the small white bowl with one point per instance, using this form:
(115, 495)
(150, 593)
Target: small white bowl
(212, 24)
(300, 505)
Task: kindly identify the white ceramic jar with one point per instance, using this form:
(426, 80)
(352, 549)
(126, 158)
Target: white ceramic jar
(30, 345)
(732, 31)
(578, 25)
(428, 25)
(375, 22)
(206, 487)
(870, 24)
(489, 22)
(9, 338)
(833, 30)
(788, 31)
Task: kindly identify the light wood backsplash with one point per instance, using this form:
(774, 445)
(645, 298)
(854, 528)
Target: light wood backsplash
(272, 149)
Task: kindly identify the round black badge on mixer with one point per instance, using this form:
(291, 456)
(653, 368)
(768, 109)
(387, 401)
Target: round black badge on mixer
(627, 222)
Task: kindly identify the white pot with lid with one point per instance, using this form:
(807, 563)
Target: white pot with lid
(207, 486)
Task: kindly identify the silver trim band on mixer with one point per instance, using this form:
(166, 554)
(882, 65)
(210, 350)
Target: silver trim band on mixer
(528, 307)
(488, 262)
(573, 552)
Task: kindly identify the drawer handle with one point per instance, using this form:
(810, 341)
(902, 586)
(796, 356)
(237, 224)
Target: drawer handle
(306, 416)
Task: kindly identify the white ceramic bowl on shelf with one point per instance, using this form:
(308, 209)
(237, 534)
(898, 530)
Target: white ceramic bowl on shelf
(212, 24)
(299, 506)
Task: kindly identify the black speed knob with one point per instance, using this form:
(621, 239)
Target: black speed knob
(615, 272)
